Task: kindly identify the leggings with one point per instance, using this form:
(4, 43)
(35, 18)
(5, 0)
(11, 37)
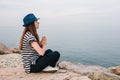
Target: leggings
(49, 59)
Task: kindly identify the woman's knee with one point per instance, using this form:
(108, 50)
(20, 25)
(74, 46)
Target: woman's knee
(53, 55)
(56, 54)
(48, 51)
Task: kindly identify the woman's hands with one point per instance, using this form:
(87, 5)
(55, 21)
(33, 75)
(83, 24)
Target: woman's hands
(41, 46)
(43, 42)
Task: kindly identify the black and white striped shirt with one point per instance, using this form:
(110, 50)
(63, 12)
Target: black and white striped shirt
(29, 55)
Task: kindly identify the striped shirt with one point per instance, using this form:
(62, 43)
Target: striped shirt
(29, 55)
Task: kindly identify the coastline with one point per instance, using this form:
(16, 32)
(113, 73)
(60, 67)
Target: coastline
(11, 68)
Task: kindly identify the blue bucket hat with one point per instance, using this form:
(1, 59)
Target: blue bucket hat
(29, 19)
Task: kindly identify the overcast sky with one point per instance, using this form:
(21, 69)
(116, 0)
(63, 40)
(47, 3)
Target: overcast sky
(13, 11)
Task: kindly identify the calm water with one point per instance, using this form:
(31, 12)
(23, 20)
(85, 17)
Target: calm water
(87, 46)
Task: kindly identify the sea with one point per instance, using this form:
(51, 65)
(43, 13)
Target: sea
(91, 42)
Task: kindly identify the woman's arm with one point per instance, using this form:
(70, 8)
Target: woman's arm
(41, 51)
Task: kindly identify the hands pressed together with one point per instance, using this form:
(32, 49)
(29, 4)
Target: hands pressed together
(43, 42)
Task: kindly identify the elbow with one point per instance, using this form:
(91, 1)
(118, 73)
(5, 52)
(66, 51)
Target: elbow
(41, 54)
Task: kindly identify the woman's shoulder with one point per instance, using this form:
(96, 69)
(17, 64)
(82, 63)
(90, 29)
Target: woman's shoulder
(28, 33)
(29, 36)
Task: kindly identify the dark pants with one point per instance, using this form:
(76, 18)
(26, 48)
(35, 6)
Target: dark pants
(50, 58)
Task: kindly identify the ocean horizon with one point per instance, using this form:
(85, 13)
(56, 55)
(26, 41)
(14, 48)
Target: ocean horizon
(82, 45)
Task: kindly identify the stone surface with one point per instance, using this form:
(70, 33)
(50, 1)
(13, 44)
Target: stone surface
(4, 49)
(80, 78)
(10, 60)
(19, 74)
(103, 76)
(11, 68)
(80, 68)
(15, 50)
(115, 70)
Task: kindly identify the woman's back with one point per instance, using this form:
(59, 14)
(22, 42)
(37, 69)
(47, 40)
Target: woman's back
(29, 55)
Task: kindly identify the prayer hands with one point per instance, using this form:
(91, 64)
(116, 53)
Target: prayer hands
(43, 42)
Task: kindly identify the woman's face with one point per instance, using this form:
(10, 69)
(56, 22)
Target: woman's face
(37, 24)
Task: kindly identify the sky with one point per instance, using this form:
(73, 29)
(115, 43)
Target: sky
(60, 12)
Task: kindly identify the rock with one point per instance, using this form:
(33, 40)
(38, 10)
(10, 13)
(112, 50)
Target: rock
(115, 70)
(11, 68)
(70, 66)
(103, 76)
(80, 68)
(17, 73)
(4, 49)
(10, 60)
(15, 50)
(80, 78)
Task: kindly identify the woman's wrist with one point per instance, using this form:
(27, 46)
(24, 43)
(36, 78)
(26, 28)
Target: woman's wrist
(44, 47)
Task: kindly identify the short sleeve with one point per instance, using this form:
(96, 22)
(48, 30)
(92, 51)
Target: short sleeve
(32, 39)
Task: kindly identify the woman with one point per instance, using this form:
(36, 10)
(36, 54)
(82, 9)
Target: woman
(34, 54)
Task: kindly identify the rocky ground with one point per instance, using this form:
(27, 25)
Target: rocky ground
(11, 68)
